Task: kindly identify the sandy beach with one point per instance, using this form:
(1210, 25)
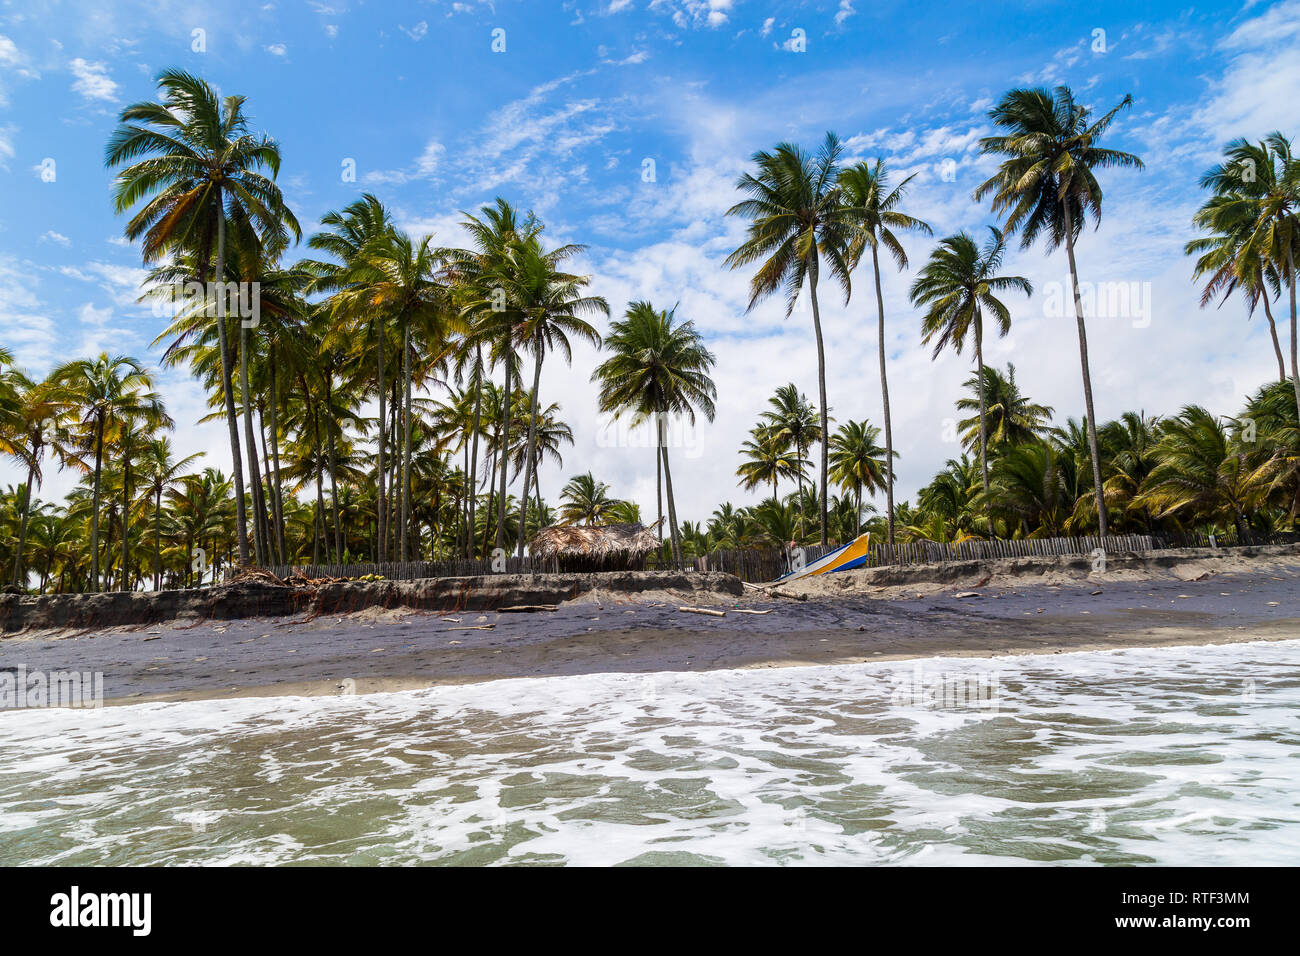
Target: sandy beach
(381, 650)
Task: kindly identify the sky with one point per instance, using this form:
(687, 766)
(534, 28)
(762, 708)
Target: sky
(624, 124)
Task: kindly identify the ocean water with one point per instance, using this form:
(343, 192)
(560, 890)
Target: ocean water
(1173, 756)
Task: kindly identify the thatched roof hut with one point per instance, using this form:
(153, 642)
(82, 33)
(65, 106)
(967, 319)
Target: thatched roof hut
(611, 547)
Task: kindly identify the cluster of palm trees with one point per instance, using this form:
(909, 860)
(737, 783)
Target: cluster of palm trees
(383, 403)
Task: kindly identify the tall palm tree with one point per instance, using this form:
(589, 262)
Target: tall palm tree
(1201, 473)
(1047, 186)
(957, 285)
(659, 367)
(194, 165)
(872, 209)
(858, 463)
(551, 306)
(797, 226)
(767, 458)
(107, 395)
(162, 473)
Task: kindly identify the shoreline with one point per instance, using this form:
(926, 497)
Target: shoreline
(845, 620)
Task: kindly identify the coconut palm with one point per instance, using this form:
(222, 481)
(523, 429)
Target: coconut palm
(584, 500)
(107, 396)
(1202, 474)
(658, 367)
(767, 458)
(194, 166)
(1257, 203)
(1046, 186)
(857, 462)
(791, 417)
(162, 473)
(957, 286)
(1012, 418)
(797, 227)
(872, 210)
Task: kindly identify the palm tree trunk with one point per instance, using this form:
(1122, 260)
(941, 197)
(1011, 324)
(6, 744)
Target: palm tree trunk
(123, 580)
(505, 458)
(157, 538)
(254, 476)
(1295, 373)
(979, 379)
(406, 451)
(473, 468)
(672, 508)
(821, 393)
(232, 419)
(659, 481)
(884, 397)
(19, 577)
(94, 503)
(1272, 329)
(275, 464)
(381, 500)
(528, 454)
(1087, 377)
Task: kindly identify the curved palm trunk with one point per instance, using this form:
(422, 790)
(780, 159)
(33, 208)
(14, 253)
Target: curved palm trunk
(1272, 330)
(232, 419)
(1087, 377)
(659, 482)
(94, 503)
(124, 580)
(979, 379)
(821, 394)
(884, 397)
(278, 490)
(672, 508)
(381, 499)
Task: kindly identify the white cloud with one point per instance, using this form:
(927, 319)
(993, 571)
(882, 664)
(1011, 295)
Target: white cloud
(418, 31)
(92, 80)
(56, 237)
(277, 49)
(767, 25)
(845, 11)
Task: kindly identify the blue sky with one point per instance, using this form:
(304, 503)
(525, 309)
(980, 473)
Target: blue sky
(564, 121)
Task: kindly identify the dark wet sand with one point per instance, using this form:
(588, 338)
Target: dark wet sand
(381, 650)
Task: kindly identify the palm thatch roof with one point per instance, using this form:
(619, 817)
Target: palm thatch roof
(611, 543)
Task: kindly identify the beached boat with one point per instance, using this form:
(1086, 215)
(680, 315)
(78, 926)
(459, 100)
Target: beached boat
(843, 558)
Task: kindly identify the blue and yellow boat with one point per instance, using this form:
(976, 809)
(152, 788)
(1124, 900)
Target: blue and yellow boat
(844, 558)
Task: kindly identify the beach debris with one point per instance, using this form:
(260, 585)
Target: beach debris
(750, 610)
(702, 610)
(450, 643)
(1096, 592)
(1274, 604)
(528, 608)
(967, 594)
(473, 627)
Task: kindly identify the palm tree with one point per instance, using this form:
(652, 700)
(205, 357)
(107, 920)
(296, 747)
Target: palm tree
(659, 367)
(958, 285)
(162, 472)
(767, 458)
(858, 463)
(1229, 217)
(108, 396)
(872, 209)
(1257, 203)
(194, 165)
(792, 418)
(1011, 417)
(1047, 186)
(584, 500)
(797, 225)
(1201, 475)
(550, 307)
